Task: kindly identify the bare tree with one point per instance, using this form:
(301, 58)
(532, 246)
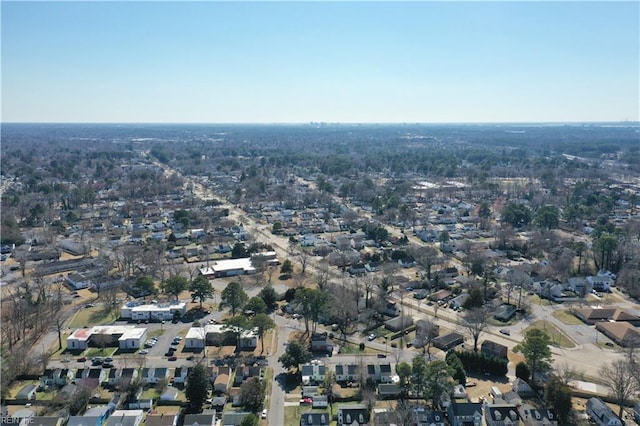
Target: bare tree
(322, 276)
(474, 322)
(618, 377)
(426, 331)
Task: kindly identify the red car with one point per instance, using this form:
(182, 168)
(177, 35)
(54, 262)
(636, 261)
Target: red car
(306, 400)
(173, 358)
(82, 359)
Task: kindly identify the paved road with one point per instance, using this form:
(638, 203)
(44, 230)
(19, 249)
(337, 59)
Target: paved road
(276, 401)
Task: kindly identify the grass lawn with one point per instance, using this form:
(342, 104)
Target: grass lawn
(557, 337)
(292, 415)
(567, 317)
(90, 353)
(155, 332)
(92, 316)
(150, 393)
(268, 380)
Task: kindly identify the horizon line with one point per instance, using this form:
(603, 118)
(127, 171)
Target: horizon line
(306, 123)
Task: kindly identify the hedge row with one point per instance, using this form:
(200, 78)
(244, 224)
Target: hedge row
(477, 362)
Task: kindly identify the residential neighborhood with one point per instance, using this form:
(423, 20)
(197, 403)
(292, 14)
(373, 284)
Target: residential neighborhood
(254, 293)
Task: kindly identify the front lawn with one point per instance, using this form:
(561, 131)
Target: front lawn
(567, 317)
(91, 352)
(558, 338)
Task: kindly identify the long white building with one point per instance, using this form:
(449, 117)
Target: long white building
(123, 336)
(152, 312)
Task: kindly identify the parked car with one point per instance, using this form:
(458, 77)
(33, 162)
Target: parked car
(107, 365)
(505, 331)
(173, 358)
(144, 352)
(371, 337)
(108, 359)
(306, 400)
(191, 358)
(169, 353)
(264, 413)
(382, 356)
(82, 359)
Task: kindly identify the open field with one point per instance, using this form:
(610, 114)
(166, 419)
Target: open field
(92, 316)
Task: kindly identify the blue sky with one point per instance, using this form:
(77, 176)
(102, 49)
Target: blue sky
(293, 62)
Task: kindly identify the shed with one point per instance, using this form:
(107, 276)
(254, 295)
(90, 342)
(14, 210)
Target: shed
(27, 392)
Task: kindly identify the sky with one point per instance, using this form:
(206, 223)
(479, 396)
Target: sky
(300, 62)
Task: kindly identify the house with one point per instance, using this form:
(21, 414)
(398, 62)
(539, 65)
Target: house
(27, 392)
(310, 391)
(391, 309)
(601, 414)
(389, 390)
(125, 418)
(160, 374)
(347, 372)
(180, 374)
(448, 341)
(459, 392)
(222, 380)
(160, 420)
(234, 418)
(200, 419)
(458, 301)
(313, 373)
(100, 413)
(502, 415)
(321, 343)
(218, 403)
(600, 282)
(356, 415)
(494, 349)
(532, 416)
(465, 414)
(380, 373)
(522, 388)
(78, 281)
(245, 372)
(429, 417)
(22, 416)
(398, 323)
(124, 376)
(315, 418)
(46, 421)
(85, 421)
(56, 377)
(504, 313)
(320, 401)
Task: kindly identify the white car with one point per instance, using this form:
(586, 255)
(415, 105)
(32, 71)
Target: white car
(264, 413)
(144, 352)
(371, 337)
